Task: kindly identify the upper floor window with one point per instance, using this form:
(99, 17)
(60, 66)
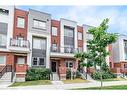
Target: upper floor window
(39, 43)
(80, 49)
(2, 59)
(39, 24)
(3, 40)
(69, 32)
(125, 43)
(4, 11)
(54, 31)
(20, 22)
(80, 36)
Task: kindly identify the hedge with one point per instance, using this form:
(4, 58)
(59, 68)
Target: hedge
(105, 75)
(38, 74)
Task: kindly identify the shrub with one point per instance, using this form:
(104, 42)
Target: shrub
(68, 74)
(75, 74)
(38, 74)
(105, 75)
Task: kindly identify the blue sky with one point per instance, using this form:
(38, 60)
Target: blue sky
(90, 15)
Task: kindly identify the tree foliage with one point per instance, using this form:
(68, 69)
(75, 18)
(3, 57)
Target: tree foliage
(97, 53)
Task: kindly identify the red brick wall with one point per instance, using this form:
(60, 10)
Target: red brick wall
(9, 58)
(111, 56)
(55, 39)
(20, 31)
(80, 42)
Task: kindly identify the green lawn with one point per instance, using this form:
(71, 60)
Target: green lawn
(113, 79)
(78, 80)
(30, 83)
(120, 87)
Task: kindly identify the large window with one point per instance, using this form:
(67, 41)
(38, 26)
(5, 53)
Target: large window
(125, 49)
(3, 40)
(21, 22)
(69, 64)
(2, 59)
(38, 61)
(39, 43)
(69, 32)
(80, 36)
(39, 24)
(54, 31)
(20, 60)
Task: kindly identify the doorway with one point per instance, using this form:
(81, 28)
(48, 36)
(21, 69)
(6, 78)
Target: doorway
(53, 67)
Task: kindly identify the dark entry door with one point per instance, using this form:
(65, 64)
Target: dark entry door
(53, 66)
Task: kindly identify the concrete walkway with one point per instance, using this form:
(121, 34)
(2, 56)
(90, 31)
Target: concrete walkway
(71, 86)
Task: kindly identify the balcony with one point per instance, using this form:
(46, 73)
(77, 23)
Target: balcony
(18, 45)
(63, 52)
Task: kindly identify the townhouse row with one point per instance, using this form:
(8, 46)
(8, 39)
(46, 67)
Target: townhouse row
(33, 39)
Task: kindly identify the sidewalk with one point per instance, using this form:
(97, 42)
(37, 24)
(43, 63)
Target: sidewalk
(71, 86)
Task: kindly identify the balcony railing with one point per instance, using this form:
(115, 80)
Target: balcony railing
(19, 43)
(64, 49)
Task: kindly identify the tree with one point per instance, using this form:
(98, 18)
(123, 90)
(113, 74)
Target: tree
(97, 45)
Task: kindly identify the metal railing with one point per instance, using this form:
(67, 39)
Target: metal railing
(7, 68)
(19, 43)
(64, 49)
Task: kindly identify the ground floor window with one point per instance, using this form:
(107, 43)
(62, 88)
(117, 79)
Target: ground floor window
(125, 66)
(20, 60)
(69, 64)
(2, 59)
(38, 61)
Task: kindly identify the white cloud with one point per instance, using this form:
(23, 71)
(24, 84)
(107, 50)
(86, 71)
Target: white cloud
(94, 16)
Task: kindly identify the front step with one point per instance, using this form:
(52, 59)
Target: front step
(57, 82)
(55, 77)
(6, 77)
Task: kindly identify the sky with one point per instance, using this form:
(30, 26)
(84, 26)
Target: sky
(90, 15)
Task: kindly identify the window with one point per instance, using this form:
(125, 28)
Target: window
(125, 65)
(41, 61)
(80, 49)
(54, 31)
(20, 60)
(38, 61)
(39, 43)
(4, 11)
(69, 64)
(21, 22)
(69, 32)
(34, 61)
(80, 36)
(125, 49)
(2, 59)
(54, 47)
(3, 40)
(40, 24)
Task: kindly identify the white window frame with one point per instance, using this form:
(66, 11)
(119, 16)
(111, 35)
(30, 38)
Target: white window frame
(23, 59)
(39, 24)
(41, 43)
(38, 60)
(4, 60)
(54, 31)
(80, 36)
(3, 40)
(68, 64)
(21, 22)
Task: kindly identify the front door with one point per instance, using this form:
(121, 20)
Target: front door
(53, 66)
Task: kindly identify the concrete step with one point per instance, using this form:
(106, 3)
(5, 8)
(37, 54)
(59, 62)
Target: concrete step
(57, 82)
(55, 77)
(6, 77)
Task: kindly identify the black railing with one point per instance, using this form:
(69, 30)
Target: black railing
(19, 43)
(64, 49)
(7, 68)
